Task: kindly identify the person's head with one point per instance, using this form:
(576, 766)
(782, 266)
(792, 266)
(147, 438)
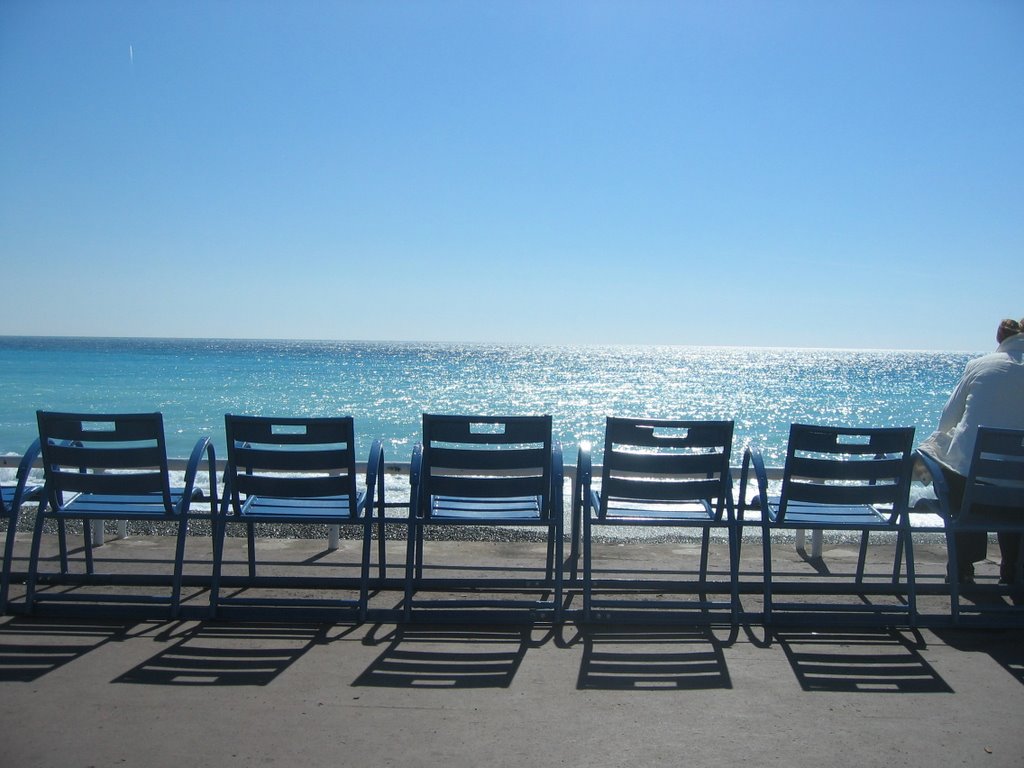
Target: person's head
(1008, 328)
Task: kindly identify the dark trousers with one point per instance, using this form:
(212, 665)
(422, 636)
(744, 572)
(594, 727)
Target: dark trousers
(972, 547)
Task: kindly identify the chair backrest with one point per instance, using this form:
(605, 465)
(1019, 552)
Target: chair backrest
(996, 476)
(303, 458)
(121, 454)
(848, 466)
(666, 461)
(487, 457)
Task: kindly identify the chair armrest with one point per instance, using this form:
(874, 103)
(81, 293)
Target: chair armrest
(374, 476)
(415, 471)
(24, 467)
(203, 445)
(752, 458)
(938, 482)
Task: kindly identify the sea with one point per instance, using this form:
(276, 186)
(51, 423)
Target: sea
(386, 386)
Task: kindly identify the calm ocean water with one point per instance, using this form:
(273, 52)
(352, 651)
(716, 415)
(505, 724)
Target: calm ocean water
(386, 386)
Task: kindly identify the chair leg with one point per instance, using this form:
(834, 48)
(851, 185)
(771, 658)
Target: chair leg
(419, 551)
(219, 526)
(588, 574)
(766, 569)
(364, 567)
(574, 535)
(179, 567)
(410, 568)
(734, 573)
(705, 544)
(549, 565)
(90, 566)
(382, 548)
(908, 544)
(558, 575)
(251, 538)
(863, 554)
(33, 562)
(5, 578)
(953, 576)
(62, 543)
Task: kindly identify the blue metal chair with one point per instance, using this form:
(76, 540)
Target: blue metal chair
(113, 467)
(486, 471)
(296, 471)
(661, 473)
(840, 479)
(993, 502)
(11, 499)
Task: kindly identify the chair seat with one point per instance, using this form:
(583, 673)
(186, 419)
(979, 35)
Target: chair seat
(480, 511)
(626, 513)
(807, 515)
(323, 509)
(99, 506)
(31, 493)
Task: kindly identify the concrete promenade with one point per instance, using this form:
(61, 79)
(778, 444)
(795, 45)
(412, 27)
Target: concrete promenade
(137, 692)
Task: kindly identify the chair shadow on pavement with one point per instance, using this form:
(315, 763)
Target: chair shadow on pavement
(212, 654)
(1005, 646)
(449, 657)
(651, 658)
(850, 661)
(31, 648)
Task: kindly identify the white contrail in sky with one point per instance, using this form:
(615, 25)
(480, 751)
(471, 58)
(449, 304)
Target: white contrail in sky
(131, 54)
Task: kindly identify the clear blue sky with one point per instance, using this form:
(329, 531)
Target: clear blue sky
(835, 174)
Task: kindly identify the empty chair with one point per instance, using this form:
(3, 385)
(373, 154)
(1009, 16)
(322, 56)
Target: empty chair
(114, 467)
(486, 471)
(993, 502)
(854, 480)
(659, 473)
(11, 499)
(296, 471)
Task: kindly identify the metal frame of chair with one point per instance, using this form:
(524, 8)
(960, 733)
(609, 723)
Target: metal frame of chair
(296, 470)
(113, 467)
(664, 473)
(842, 479)
(485, 471)
(11, 499)
(993, 502)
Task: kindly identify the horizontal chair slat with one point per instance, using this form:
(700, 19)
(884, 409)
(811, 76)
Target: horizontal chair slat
(292, 431)
(270, 485)
(665, 463)
(293, 461)
(852, 441)
(818, 493)
(837, 469)
(704, 434)
(994, 471)
(648, 490)
(101, 427)
(512, 458)
(486, 486)
(480, 430)
(106, 458)
(127, 483)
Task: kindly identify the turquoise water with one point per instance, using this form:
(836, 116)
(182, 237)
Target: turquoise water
(386, 386)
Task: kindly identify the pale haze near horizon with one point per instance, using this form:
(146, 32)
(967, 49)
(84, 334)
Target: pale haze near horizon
(843, 174)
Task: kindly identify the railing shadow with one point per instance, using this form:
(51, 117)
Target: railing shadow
(868, 661)
(227, 655)
(449, 657)
(651, 658)
(31, 648)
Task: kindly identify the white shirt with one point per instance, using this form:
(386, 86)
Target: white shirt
(989, 394)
